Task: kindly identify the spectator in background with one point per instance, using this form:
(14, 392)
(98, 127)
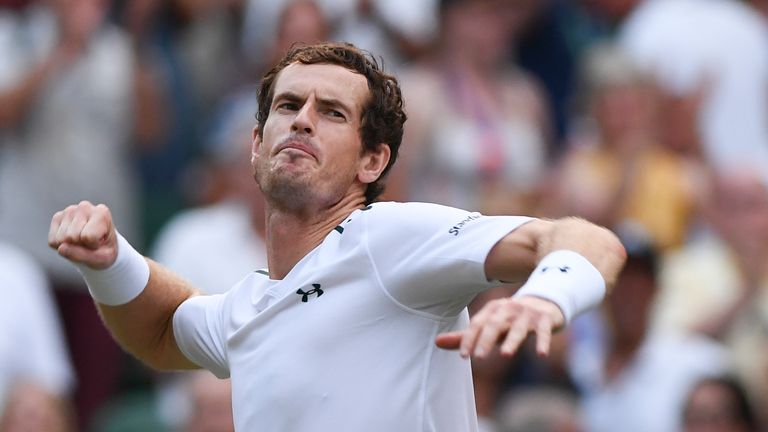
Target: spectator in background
(718, 48)
(761, 6)
(617, 171)
(189, 49)
(539, 409)
(398, 30)
(718, 283)
(636, 379)
(210, 402)
(548, 48)
(36, 378)
(719, 404)
(478, 129)
(300, 21)
(68, 98)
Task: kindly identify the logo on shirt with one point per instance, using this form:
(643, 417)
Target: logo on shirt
(305, 295)
(562, 269)
(456, 228)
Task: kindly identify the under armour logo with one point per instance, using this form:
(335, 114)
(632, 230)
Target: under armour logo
(562, 269)
(305, 295)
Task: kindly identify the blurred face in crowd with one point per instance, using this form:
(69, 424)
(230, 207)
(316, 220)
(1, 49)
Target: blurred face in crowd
(713, 407)
(680, 128)
(301, 21)
(623, 110)
(80, 16)
(740, 202)
(478, 30)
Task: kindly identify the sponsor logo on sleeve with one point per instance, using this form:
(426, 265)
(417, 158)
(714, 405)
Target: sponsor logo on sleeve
(456, 228)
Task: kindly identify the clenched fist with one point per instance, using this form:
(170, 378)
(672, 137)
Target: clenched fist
(84, 234)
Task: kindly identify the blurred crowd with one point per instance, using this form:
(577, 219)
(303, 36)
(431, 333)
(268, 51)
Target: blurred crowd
(649, 117)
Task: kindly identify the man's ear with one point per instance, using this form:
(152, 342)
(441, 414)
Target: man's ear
(256, 143)
(373, 163)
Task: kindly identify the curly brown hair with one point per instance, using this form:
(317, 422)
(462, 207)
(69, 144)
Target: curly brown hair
(382, 117)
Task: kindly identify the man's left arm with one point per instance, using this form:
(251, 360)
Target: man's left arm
(574, 263)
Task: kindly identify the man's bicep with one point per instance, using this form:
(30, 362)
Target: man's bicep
(513, 257)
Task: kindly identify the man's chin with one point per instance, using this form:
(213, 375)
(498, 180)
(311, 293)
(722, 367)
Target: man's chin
(287, 189)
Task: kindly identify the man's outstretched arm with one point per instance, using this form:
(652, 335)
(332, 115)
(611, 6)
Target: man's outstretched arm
(573, 262)
(137, 303)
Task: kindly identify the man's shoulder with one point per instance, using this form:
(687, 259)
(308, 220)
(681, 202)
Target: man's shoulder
(412, 218)
(412, 208)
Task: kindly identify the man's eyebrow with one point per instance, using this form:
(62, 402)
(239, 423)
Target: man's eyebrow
(335, 103)
(287, 95)
(329, 102)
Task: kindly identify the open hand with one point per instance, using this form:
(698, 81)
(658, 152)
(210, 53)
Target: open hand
(506, 321)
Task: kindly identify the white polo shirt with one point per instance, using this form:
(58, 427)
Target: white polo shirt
(345, 342)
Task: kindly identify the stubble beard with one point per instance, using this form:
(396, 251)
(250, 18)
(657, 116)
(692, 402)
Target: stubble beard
(284, 188)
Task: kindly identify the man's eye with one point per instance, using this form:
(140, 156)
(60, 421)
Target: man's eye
(334, 113)
(290, 106)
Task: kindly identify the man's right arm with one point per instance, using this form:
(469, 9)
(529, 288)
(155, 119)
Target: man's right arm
(143, 322)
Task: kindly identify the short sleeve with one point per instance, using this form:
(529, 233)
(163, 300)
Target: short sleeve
(198, 327)
(430, 257)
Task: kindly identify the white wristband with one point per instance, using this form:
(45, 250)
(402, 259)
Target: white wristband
(567, 279)
(121, 282)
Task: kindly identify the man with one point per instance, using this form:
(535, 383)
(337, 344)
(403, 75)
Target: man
(337, 334)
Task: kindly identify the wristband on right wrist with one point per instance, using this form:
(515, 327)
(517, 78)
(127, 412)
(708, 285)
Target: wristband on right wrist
(121, 282)
(567, 279)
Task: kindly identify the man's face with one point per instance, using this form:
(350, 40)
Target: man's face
(311, 149)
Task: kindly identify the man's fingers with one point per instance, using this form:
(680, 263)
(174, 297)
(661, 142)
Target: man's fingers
(73, 231)
(75, 252)
(476, 326)
(97, 230)
(468, 340)
(95, 258)
(492, 332)
(543, 336)
(508, 322)
(516, 334)
(450, 340)
(83, 224)
(54, 228)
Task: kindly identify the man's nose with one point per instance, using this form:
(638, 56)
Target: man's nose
(304, 122)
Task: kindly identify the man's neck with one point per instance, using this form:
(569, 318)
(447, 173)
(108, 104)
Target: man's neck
(291, 235)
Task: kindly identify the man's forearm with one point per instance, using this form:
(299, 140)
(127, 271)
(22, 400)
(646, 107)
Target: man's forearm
(597, 244)
(144, 326)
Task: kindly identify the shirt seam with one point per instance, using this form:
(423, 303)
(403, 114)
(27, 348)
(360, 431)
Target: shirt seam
(386, 292)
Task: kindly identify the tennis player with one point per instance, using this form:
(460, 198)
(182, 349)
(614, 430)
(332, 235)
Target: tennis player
(344, 330)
